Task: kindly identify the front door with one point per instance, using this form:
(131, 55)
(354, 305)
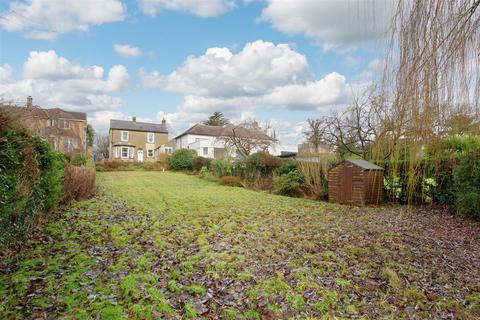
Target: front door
(140, 155)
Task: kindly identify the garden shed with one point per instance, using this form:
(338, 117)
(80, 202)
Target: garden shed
(356, 182)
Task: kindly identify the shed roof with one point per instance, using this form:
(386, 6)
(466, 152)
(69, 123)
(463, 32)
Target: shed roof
(138, 126)
(364, 164)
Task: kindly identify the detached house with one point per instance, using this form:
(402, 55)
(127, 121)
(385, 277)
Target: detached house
(65, 131)
(209, 141)
(136, 141)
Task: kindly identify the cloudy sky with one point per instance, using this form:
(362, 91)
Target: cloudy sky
(280, 61)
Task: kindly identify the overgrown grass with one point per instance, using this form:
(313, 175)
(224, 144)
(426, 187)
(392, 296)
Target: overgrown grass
(169, 245)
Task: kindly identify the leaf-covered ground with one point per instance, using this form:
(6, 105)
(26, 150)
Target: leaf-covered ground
(158, 245)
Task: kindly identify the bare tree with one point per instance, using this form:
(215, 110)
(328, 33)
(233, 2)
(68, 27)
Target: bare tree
(102, 145)
(247, 137)
(315, 133)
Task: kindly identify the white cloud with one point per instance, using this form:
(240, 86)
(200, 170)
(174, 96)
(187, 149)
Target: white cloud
(220, 73)
(328, 91)
(5, 72)
(46, 19)
(203, 8)
(376, 64)
(54, 81)
(288, 133)
(262, 74)
(126, 50)
(335, 24)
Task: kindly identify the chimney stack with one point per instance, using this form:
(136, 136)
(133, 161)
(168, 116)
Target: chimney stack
(164, 122)
(134, 119)
(29, 102)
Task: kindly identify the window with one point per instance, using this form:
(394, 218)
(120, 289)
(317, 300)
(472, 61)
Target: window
(66, 124)
(205, 151)
(117, 152)
(124, 152)
(168, 150)
(51, 122)
(67, 144)
(150, 153)
(150, 137)
(124, 136)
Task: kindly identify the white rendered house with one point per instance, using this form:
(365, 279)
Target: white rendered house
(208, 141)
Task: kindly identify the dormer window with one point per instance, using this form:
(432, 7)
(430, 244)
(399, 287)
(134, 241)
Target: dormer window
(124, 136)
(150, 137)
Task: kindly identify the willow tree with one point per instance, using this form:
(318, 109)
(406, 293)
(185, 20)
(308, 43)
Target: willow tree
(432, 72)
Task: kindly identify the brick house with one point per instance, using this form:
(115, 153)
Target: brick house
(136, 141)
(65, 131)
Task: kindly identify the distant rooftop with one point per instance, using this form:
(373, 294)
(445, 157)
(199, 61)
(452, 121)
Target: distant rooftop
(223, 131)
(138, 126)
(57, 113)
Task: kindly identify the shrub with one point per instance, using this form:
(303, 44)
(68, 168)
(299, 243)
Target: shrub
(466, 177)
(112, 165)
(288, 184)
(316, 176)
(230, 181)
(182, 159)
(222, 167)
(204, 173)
(154, 166)
(79, 183)
(262, 162)
(78, 160)
(200, 162)
(286, 167)
(31, 178)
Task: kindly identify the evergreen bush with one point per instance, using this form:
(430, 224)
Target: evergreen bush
(182, 159)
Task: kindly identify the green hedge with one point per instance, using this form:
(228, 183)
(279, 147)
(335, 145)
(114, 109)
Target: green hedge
(182, 159)
(466, 177)
(31, 180)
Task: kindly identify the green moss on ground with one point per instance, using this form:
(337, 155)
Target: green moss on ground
(167, 245)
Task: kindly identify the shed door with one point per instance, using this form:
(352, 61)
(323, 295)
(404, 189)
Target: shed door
(347, 184)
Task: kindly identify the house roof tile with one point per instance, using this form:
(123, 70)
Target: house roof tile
(223, 131)
(138, 126)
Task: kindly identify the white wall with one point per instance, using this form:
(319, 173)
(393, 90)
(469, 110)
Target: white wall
(198, 142)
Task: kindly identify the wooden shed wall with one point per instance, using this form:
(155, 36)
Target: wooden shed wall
(350, 184)
(374, 187)
(346, 184)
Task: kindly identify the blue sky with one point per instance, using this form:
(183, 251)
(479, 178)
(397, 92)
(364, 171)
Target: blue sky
(280, 61)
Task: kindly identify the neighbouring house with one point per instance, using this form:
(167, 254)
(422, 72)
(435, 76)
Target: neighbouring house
(308, 148)
(210, 141)
(65, 131)
(165, 149)
(136, 141)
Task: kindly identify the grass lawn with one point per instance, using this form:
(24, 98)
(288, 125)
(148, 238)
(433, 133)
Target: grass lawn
(158, 245)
